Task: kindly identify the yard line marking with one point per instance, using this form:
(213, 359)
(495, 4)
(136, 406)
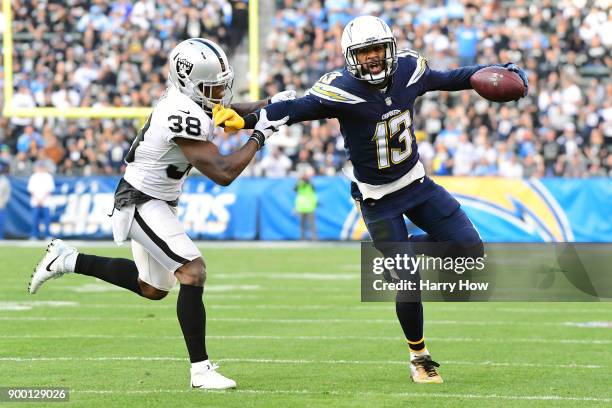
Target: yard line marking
(595, 324)
(29, 305)
(330, 338)
(351, 393)
(314, 276)
(298, 361)
(358, 306)
(549, 310)
(400, 362)
(488, 307)
(205, 245)
(240, 307)
(104, 288)
(290, 321)
(108, 290)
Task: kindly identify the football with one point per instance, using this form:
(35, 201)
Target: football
(497, 84)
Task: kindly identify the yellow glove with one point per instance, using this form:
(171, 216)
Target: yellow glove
(227, 118)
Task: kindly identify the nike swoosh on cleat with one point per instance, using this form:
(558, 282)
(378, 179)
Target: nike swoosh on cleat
(185, 112)
(51, 263)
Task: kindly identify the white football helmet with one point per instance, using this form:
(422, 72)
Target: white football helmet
(196, 66)
(362, 32)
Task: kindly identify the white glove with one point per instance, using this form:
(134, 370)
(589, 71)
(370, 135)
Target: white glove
(283, 96)
(265, 127)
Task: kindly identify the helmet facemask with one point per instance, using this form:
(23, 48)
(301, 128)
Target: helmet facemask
(203, 91)
(389, 62)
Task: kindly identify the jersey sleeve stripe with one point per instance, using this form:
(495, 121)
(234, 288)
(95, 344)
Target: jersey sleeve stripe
(331, 93)
(418, 72)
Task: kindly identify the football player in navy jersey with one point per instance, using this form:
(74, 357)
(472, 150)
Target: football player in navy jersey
(373, 99)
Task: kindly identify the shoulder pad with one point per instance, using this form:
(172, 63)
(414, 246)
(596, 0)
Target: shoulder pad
(418, 65)
(330, 88)
(182, 117)
(330, 77)
(406, 52)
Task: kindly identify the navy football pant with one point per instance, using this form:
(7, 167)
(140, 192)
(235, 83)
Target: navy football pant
(431, 208)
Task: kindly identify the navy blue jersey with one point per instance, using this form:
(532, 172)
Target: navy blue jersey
(376, 124)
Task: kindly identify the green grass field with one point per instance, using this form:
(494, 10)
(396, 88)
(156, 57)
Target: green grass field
(288, 325)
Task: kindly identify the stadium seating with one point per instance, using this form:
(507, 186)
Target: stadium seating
(114, 55)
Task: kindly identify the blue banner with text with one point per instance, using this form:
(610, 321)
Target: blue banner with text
(503, 210)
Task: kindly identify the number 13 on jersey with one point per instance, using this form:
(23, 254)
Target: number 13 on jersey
(385, 132)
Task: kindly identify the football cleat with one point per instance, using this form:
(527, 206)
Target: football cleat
(423, 370)
(204, 375)
(52, 264)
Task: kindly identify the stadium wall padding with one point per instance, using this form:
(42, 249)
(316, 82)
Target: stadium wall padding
(503, 210)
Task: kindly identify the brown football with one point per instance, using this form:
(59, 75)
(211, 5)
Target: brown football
(497, 84)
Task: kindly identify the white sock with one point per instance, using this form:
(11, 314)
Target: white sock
(70, 261)
(414, 354)
(201, 365)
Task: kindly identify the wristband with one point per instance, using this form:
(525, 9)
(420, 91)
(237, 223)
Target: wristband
(258, 137)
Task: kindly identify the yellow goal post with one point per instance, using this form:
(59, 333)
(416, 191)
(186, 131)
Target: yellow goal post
(107, 112)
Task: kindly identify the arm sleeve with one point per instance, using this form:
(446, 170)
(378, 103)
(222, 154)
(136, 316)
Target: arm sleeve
(301, 109)
(453, 80)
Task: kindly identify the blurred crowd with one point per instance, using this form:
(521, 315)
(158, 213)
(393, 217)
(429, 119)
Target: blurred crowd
(83, 53)
(563, 128)
(114, 54)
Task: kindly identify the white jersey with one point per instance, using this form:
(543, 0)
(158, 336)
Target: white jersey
(156, 164)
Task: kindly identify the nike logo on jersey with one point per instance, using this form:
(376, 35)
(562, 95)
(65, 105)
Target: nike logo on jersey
(51, 263)
(185, 112)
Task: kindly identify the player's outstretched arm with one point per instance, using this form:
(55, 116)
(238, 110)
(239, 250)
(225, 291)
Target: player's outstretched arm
(223, 169)
(459, 79)
(298, 110)
(244, 108)
(452, 80)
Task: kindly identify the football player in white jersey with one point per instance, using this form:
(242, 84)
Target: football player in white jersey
(176, 137)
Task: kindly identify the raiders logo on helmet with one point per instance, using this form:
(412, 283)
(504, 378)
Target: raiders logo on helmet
(183, 69)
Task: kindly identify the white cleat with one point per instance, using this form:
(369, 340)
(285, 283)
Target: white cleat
(204, 375)
(52, 264)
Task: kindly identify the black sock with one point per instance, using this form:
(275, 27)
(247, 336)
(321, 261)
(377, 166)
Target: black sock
(410, 316)
(118, 271)
(192, 318)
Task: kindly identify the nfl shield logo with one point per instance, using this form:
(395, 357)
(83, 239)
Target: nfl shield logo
(388, 101)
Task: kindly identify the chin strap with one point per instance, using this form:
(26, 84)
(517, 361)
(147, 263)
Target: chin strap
(206, 105)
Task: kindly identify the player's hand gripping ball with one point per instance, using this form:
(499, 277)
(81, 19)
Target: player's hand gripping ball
(227, 118)
(500, 84)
